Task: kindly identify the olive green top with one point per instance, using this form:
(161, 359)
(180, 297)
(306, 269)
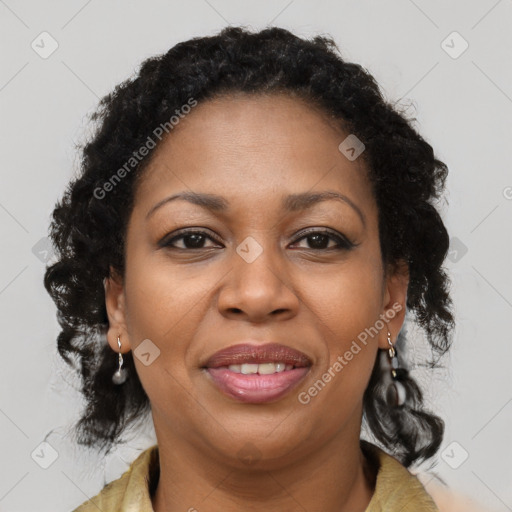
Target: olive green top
(396, 489)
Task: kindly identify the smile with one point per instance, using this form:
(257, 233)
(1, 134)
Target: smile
(257, 373)
(256, 387)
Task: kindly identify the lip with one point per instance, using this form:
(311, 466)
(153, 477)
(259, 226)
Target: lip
(256, 388)
(251, 353)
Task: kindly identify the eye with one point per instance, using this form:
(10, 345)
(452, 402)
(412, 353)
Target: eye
(317, 239)
(191, 239)
(320, 239)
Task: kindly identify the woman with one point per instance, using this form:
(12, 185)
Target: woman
(251, 225)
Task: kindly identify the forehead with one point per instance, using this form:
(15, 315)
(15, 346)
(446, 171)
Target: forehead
(253, 145)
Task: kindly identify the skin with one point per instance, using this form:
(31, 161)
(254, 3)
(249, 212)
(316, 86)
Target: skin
(254, 151)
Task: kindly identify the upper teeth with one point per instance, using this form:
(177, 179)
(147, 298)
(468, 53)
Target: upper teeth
(262, 369)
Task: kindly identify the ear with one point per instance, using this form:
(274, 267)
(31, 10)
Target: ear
(394, 303)
(116, 312)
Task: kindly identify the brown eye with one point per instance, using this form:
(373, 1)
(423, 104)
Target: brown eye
(320, 240)
(190, 240)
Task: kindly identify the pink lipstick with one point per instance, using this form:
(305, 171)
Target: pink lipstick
(257, 373)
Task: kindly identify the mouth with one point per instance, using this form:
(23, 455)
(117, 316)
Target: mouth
(257, 373)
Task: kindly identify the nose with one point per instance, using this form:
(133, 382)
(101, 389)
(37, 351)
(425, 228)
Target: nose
(258, 291)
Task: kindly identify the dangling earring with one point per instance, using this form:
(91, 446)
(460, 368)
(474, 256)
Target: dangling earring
(120, 375)
(396, 393)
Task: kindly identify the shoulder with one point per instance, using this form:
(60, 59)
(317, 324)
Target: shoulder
(448, 499)
(132, 489)
(396, 488)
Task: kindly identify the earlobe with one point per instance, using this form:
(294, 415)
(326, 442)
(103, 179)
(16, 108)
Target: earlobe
(116, 312)
(395, 300)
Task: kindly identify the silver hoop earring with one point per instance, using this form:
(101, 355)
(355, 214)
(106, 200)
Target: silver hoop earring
(396, 392)
(120, 375)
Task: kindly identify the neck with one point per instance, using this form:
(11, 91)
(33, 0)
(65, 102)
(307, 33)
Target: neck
(335, 477)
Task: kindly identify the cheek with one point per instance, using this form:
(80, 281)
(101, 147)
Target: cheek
(346, 305)
(162, 306)
(161, 298)
(346, 299)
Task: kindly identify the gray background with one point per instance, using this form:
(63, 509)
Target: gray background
(463, 107)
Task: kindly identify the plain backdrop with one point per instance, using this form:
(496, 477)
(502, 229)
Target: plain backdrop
(416, 49)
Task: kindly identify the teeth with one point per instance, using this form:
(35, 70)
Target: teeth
(261, 369)
(266, 368)
(247, 368)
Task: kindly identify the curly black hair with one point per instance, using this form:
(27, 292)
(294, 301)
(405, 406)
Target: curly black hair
(88, 231)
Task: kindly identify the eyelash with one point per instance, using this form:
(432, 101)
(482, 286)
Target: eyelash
(342, 242)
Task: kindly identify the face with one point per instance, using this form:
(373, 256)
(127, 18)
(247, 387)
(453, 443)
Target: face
(261, 258)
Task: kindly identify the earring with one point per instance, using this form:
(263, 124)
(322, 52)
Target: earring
(120, 375)
(396, 393)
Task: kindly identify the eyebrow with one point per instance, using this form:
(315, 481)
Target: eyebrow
(291, 203)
